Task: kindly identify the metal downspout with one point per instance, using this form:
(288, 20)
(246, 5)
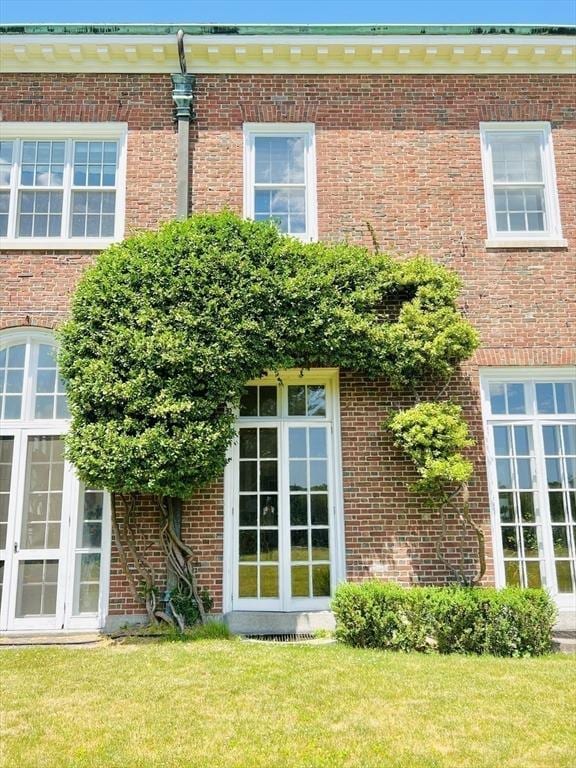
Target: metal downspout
(183, 95)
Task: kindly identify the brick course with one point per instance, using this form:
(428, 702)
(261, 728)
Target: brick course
(399, 151)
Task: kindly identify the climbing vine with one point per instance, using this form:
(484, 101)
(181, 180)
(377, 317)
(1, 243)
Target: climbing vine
(433, 436)
(167, 326)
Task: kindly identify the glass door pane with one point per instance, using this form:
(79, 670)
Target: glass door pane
(309, 527)
(37, 588)
(6, 464)
(258, 531)
(88, 553)
(39, 556)
(42, 510)
(560, 460)
(520, 520)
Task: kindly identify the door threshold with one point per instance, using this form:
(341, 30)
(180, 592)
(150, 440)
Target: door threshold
(47, 638)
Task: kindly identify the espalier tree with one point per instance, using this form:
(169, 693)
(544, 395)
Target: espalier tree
(168, 326)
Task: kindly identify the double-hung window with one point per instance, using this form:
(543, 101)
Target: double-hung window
(280, 176)
(61, 184)
(520, 185)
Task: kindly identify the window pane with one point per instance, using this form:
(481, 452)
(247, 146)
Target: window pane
(319, 509)
(43, 496)
(321, 580)
(300, 581)
(316, 400)
(533, 577)
(267, 401)
(497, 398)
(297, 400)
(269, 581)
(297, 442)
(545, 398)
(36, 590)
(4, 207)
(248, 581)
(515, 393)
(269, 510)
(516, 157)
(40, 214)
(6, 150)
(565, 397)
(564, 576)
(248, 443)
(299, 509)
(248, 510)
(512, 571)
(249, 402)
(506, 502)
(279, 159)
(501, 441)
(284, 206)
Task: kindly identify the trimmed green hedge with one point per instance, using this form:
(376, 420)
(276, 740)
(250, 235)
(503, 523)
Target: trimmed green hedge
(502, 622)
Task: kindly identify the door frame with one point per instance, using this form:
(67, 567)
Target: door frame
(527, 375)
(21, 429)
(330, 378)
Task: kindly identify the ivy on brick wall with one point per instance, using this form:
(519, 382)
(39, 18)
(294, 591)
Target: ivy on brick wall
(167, 326)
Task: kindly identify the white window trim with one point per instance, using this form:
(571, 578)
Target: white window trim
(75, 131)
(523, 375)
(552, 238)
(329, 377)
(251, 130)
(21, 429)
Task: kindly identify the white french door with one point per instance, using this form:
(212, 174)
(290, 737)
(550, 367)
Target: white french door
(54, 533)
(530, 427)
(37, 529)
(283, 494)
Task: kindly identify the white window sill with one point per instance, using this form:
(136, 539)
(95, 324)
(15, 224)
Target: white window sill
(525, 242)
(56, 243)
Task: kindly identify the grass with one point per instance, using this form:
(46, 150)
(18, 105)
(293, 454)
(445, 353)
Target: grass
(217, 703)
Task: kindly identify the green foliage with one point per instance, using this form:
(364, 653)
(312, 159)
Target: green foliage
(187, 607)
(167, 327)
(212, 630)
(432, 436)
(506, 622)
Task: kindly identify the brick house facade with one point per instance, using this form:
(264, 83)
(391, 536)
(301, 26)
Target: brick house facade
(398, 122)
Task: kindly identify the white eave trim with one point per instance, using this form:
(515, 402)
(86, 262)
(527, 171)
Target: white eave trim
(291, 54)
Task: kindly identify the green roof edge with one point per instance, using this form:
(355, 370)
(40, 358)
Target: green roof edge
(284, 29)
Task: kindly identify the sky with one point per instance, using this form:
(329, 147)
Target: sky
(550, 12)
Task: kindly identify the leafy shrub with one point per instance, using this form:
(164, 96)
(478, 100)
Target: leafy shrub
(167, 327)
(187, 607)
(432, 436)
(506, 622)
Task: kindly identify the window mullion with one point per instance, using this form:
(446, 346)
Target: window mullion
(545, 520)
(65, 228)
(14, 179)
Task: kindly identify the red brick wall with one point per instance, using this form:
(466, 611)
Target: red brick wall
(401, 152)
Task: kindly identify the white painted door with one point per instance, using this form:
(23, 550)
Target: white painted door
(54, 533)
(284, 496)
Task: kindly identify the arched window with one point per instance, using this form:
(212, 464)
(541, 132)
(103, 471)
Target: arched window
(31, 359)
(53, 531)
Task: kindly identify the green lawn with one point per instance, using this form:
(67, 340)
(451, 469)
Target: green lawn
(245, 705)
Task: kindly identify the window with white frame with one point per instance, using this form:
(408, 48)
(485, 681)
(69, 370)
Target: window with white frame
(54, 532)
(280, 176)
(530, 419)
(520, 182)
(61, 183)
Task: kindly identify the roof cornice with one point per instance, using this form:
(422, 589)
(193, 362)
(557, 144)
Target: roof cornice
(291, 50)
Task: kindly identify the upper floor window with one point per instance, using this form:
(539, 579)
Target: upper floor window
(520, 184)
(280, 176)
(61, 184)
